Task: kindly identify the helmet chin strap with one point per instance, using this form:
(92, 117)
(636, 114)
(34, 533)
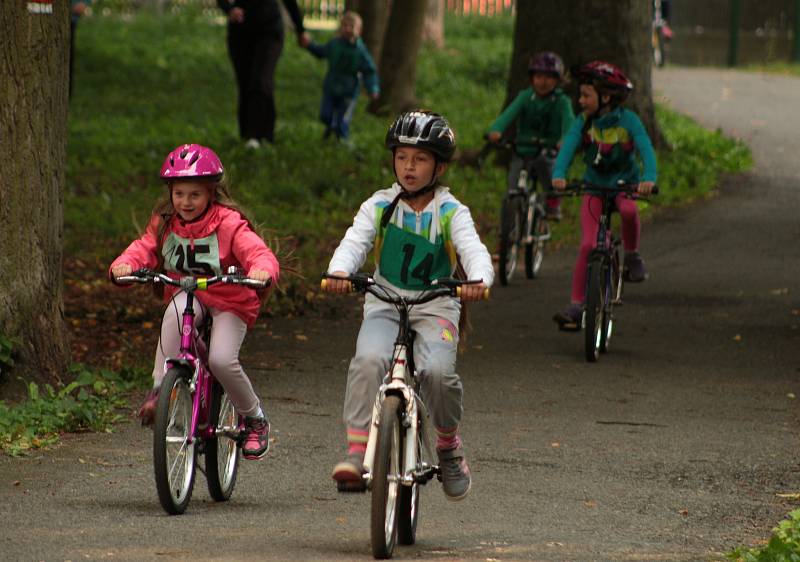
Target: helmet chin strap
(404, 194)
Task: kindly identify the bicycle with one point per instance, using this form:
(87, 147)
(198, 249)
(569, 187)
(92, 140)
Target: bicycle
(605, 277)
(399, 455)
(193, 414)
(523, 221)
(660, 35)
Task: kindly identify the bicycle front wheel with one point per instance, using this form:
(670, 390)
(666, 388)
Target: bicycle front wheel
(386, 473)
(174, 451)
(613, 294)
(222, 450)
(594, 308)
(534, 252)
(511, 221)
(409, 497)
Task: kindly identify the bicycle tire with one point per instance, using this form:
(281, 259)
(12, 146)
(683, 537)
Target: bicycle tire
(510, 236)
(613, 274)
(594, 309)
(222, 451)
(534, 252)
(385, 485)
(173, 421)
(409, 497)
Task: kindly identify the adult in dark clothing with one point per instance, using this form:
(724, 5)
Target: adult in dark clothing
(255, 41)
(77, 9)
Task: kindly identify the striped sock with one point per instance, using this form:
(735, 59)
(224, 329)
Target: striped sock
(447, 438)
(357, 441)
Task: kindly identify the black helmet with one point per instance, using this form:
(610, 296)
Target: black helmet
(546, 63)
(423, 129)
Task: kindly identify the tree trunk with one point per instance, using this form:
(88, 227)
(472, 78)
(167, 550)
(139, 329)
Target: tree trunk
(33, 128)
(374, 14)
(614, 30)
(433, 30)
(398, 66)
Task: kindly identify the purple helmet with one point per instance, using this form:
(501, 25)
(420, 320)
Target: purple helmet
(546, 63)
(192, 161)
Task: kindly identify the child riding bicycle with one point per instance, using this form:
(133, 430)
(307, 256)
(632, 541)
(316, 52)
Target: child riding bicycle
(610, 137)
(197, 229)
(542, 114)
(419, 232)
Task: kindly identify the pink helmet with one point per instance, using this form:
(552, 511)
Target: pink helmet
(192, 161)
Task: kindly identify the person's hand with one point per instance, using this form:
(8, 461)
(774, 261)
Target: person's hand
(472, 292)
(259, 275)
(121, 270)
(559, 184)
(338, 285)
(374, 95)
(495, 136)
(645, 188)
(236, 15)
(304, 39)
(79, 8)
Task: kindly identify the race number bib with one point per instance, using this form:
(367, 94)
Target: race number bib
(200, 258)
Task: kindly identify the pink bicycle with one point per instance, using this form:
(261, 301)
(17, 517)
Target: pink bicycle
(194, 415)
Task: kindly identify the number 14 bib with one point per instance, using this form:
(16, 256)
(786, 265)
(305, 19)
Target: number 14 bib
(411, 261)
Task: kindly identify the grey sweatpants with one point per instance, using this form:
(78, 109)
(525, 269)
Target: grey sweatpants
(435, 350)
(227, 335)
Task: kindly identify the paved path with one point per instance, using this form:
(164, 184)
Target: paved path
(675, 446)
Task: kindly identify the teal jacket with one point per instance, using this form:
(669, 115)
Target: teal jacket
(347, 63)
(540, 121)
(610, 144)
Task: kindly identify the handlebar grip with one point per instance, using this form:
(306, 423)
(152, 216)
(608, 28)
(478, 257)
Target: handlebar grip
(351, 288)
(484, 296)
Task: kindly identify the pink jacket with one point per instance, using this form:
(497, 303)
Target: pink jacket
(219, 239)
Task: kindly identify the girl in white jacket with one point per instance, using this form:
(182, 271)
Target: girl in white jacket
(419, 232)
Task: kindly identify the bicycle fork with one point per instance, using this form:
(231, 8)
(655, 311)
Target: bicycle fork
(413, 469)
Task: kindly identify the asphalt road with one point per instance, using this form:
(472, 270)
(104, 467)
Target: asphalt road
(677, 445)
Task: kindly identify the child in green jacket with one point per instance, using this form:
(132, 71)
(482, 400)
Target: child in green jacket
(348, 63)
(542, 114)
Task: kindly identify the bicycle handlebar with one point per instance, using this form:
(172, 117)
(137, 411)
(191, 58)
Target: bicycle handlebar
(364, 284)
(578, 187)
(191, 283)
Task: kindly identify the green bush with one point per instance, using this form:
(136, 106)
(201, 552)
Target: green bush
(90, 402)
(783, 546)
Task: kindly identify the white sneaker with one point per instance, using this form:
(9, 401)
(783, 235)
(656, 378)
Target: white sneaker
(253, 144)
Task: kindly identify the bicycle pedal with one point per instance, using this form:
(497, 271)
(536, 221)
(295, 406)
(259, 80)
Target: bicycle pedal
(617, 302)
(351, 487)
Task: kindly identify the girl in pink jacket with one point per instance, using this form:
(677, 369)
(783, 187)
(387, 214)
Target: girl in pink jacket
(198, 230)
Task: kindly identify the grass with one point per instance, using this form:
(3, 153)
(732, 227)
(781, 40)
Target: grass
(144, 85)
(783, 545)
(172, 83)
(785, 68)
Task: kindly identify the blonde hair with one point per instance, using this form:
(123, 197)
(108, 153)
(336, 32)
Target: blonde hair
(352, 17)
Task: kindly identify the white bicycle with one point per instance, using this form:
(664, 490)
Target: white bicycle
(399, 456)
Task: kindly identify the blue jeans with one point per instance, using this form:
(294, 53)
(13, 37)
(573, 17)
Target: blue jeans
(337, 112)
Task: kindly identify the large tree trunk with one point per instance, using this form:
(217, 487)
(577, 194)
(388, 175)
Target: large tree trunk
(433, 30)
(398, 66)
(614, 30)
(375, 15)
(33, 128)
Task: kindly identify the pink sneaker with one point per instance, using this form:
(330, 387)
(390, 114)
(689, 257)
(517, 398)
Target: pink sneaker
(256, 439)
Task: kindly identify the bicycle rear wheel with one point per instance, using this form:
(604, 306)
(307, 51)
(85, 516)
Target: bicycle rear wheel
(595, 293)
(534, 252)
(174, 451)
(385, 480)
(222, 450)
(511, 221)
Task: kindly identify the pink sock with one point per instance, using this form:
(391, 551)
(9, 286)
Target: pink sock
(447, 438)
(357, 441)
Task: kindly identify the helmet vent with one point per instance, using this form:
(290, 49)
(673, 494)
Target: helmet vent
(194, 159)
